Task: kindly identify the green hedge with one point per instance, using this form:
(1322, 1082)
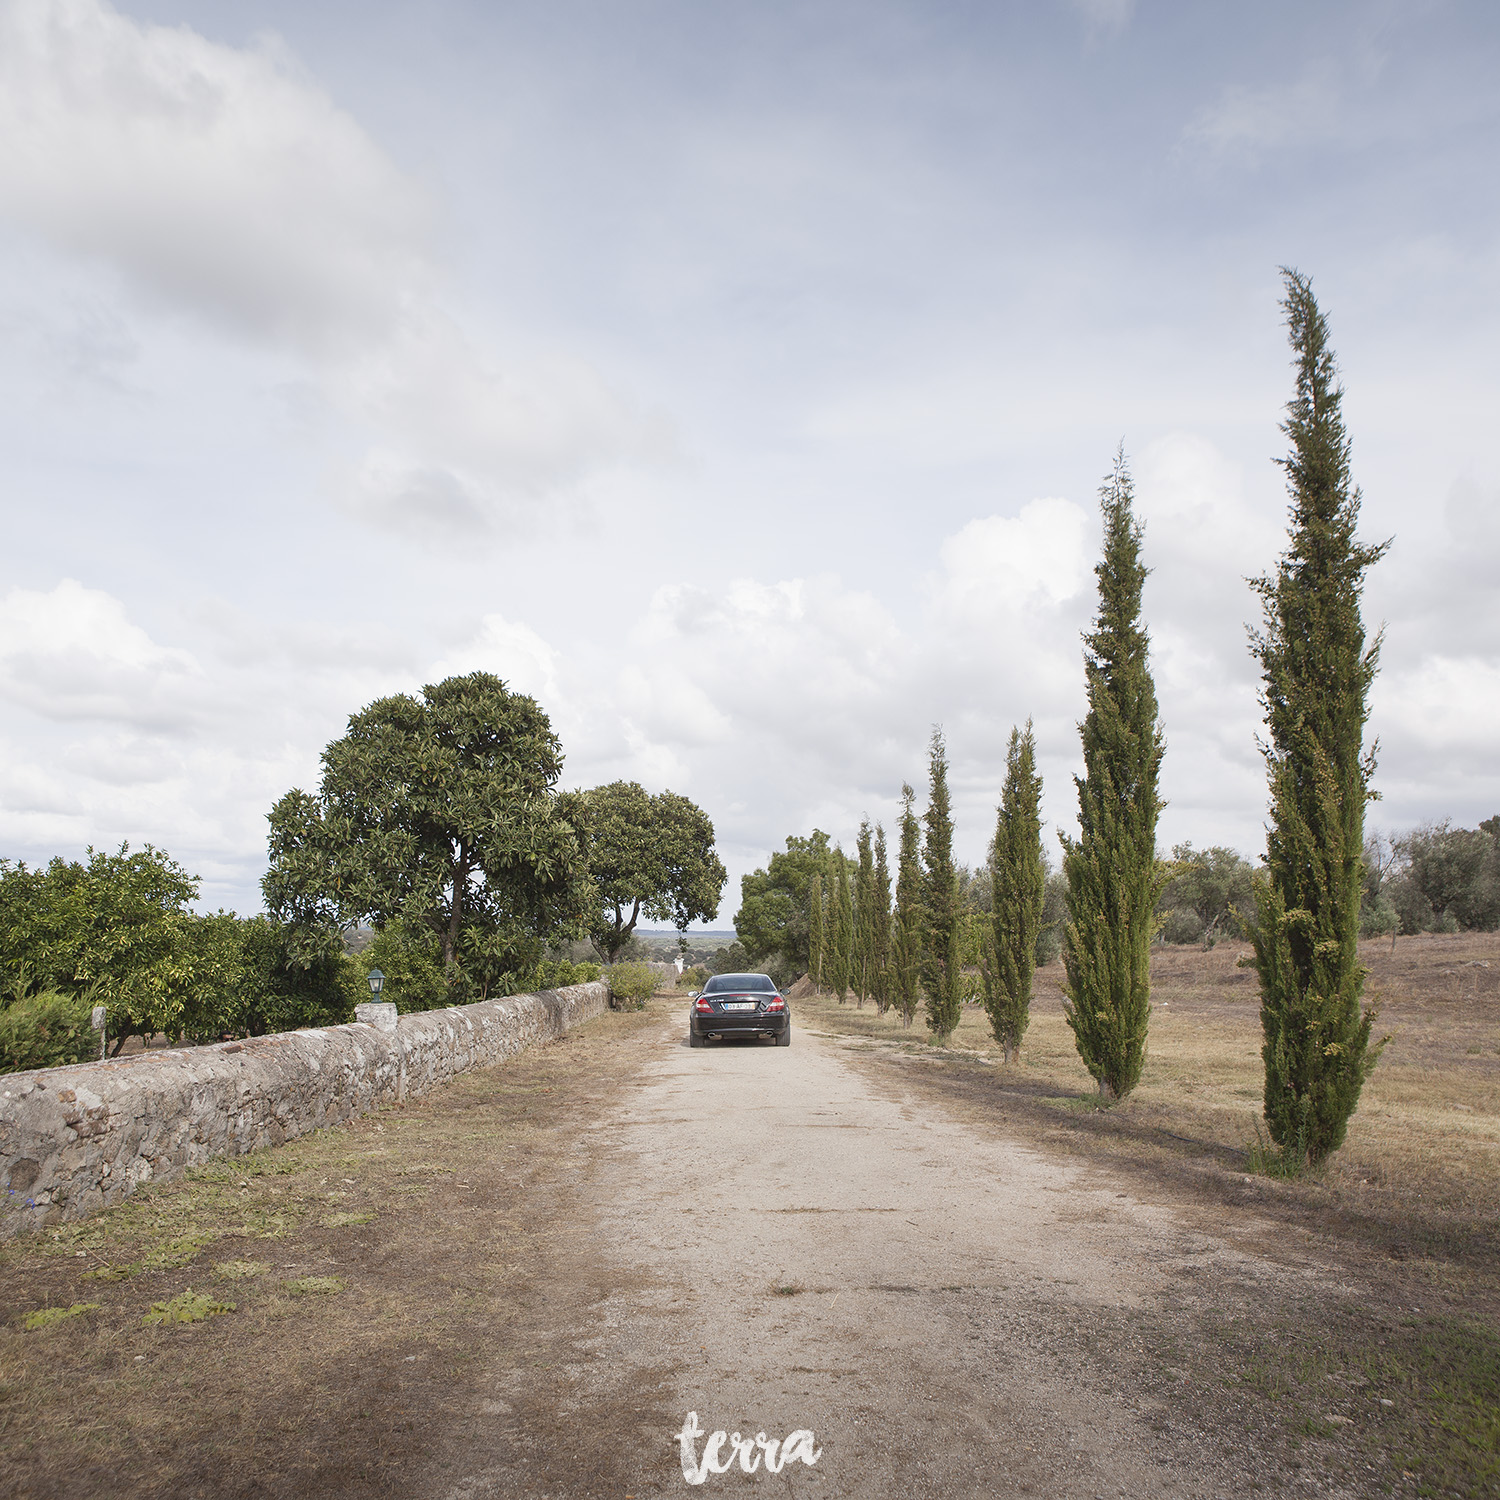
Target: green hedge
(47, 1030)
(562, 972)
(630, 985)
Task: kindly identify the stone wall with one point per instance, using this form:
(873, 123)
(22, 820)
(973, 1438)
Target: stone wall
(80, 1138)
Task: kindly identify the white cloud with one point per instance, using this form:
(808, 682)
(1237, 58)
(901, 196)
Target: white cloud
(1244, 122)
(72, 653)
(215, 176)
(513, 652)
(222, 180)
(1007, 564)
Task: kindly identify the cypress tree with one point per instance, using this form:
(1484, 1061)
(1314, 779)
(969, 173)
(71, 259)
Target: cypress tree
(864, 916)
(1114, 877)
(815, 931)
(1018, 881)
(843, 927)
(906, 934)
(1316, 672)
(940, 900)
(880, 960)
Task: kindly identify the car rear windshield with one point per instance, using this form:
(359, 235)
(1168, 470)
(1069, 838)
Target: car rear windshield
(740, 982)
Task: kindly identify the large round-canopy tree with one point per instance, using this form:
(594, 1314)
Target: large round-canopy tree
(649, 856)
(440, 812)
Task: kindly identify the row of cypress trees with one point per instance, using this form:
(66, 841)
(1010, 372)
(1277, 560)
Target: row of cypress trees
(1317, 669)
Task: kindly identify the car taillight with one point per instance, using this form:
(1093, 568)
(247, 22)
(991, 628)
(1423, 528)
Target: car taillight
(776, 1003)
(705, 1006)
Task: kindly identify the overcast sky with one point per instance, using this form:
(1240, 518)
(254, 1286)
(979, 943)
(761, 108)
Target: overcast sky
(737, 379)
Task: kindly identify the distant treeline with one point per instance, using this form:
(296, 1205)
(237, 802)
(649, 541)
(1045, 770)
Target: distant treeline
(1437, 878)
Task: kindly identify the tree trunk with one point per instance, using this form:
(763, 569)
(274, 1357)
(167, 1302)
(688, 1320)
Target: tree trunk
(455, 915)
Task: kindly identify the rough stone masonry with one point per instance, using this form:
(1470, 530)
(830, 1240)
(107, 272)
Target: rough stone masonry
(77, 1139)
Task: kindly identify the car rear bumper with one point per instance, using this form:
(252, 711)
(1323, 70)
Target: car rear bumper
(746, 1024)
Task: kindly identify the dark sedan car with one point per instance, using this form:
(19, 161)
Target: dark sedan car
(740, 1005)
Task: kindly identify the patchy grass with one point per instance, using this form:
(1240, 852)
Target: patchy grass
(239, 1270)
(315, 1286)
(379, 1271)
(185, 1307)
(50, 1317)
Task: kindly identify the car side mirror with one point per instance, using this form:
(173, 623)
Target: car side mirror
(693, 994)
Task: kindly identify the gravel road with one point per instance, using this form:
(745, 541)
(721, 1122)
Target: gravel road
(806, 1249)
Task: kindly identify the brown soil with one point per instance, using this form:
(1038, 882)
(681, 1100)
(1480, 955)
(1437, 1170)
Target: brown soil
(966, 1278)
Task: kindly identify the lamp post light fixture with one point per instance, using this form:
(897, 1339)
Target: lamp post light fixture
(377, 983)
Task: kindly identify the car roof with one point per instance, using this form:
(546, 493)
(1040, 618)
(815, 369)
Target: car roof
(730, 980)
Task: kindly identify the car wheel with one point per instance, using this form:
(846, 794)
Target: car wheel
(785, 1039)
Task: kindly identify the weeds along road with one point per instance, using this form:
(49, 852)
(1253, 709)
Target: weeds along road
(520, 1286)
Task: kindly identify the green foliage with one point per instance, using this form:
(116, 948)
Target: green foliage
(731, 959)
(116, 929)
(841, 969)
(1377, 911)
(776, 904)
(1054, 915)
(1210, 895)
(907, 921)
(880, 956)
(815, 931)
(864, 915)
(1446, 879)
(693, 979)
(649, 856)
(289, 977)
(410, 955)
(942, 907)
(558, 974)
(1114, 877)
(441, 812)
(50, 1317)
(186, 1307)
(46, 1030)
(1018, 879)
(1316, 673)
(630, 985)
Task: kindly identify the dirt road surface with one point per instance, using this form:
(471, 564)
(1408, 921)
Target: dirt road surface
(520, 1286)
(806, 1249)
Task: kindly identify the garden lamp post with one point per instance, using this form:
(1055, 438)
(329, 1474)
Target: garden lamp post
(377, 983)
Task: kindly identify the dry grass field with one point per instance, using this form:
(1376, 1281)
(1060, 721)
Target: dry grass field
(1422, 1162)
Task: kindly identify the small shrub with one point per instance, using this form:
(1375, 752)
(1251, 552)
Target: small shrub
(186, 1307)
(694, 978)
(630, 985)
(50, 1317)
(46, 1030)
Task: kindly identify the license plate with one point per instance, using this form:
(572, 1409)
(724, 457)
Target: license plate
(739, 1005)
